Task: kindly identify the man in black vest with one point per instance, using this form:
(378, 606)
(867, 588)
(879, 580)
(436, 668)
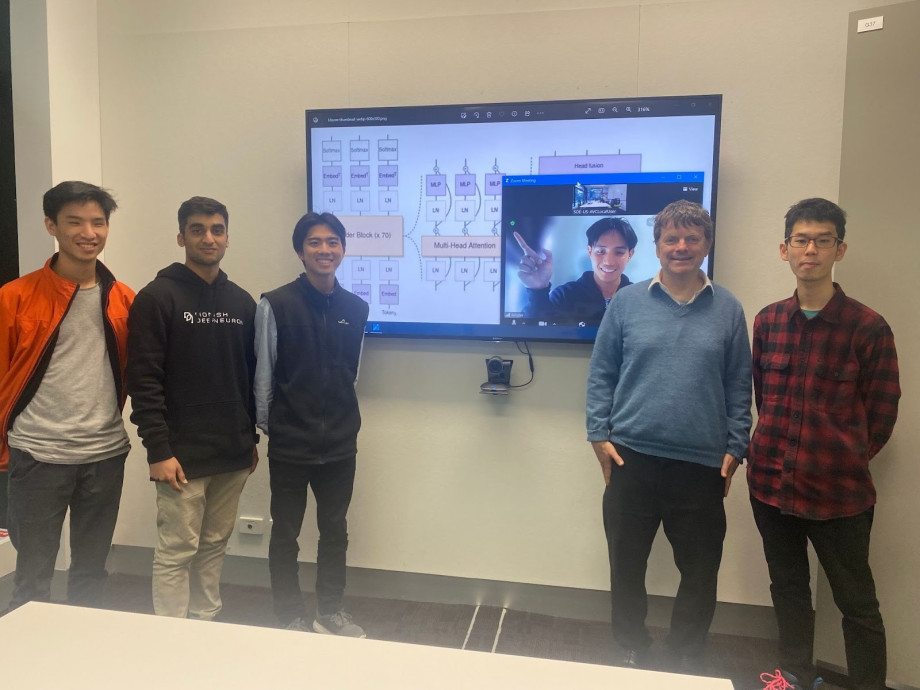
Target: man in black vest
(309, 335)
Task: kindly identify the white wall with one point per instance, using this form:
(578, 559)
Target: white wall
(207, 97)
(877, 187)
(31, 128)
(55, 69)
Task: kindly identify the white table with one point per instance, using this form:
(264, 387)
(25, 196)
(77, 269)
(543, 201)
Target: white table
(47, 646)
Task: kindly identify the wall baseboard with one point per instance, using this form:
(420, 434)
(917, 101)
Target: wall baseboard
(563, 602)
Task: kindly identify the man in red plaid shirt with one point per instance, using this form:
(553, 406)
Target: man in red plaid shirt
(826, 388)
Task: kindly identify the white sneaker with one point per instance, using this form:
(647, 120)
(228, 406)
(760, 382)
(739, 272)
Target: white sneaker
(338, 623)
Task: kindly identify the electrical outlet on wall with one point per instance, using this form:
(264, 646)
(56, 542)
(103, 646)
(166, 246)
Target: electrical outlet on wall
(251, 525)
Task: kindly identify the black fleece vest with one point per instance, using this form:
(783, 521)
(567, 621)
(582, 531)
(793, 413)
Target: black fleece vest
(314, 415)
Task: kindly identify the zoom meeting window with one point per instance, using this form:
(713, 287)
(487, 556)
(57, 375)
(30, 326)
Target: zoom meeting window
(566, 236)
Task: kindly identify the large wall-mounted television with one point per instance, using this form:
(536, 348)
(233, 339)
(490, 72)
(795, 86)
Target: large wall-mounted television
(442, 203)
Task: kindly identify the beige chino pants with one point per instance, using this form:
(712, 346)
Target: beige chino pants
(193, 528)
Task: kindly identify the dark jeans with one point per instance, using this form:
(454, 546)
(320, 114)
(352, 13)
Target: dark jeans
(842, 546)
(40, 494)
(332, 485)
(686, 498)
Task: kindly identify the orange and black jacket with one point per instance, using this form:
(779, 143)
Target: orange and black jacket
(31, 310)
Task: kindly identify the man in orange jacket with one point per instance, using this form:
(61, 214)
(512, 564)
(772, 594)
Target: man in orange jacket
(63, 336)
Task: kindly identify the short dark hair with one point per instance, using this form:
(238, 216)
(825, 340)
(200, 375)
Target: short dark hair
(817, 210)
(683, 214)
(204, 205)
(80, 192)
(612, 224)
(302, 229)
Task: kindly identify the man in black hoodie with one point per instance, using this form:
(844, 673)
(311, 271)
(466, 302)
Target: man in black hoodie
(190, 370)
(309, 335)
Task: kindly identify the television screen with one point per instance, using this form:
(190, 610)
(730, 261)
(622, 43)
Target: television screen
(505, 221)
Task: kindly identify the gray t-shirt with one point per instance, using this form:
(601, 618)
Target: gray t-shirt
(73, 418)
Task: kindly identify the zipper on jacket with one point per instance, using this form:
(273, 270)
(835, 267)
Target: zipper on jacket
(325, 369)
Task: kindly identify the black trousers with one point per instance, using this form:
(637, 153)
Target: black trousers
(332, 485)
(40, 494)
(842, 546)
(686, 498)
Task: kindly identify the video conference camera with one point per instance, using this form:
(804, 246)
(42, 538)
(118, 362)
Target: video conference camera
(498, 372)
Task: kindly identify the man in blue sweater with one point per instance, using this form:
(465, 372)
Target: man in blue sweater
(668, 414)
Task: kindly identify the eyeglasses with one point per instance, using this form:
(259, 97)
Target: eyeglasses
(823, 242)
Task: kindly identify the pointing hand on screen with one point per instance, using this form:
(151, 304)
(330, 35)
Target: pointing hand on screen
(536, 269)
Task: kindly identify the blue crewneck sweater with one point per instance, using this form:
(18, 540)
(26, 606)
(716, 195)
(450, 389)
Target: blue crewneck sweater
(672, 380)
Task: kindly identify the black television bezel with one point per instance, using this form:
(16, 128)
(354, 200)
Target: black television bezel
(466, 114)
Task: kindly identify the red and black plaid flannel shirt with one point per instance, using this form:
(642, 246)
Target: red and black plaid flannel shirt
(827, 395)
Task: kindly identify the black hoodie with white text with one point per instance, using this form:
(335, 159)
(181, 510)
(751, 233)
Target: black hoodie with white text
(190, 369)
